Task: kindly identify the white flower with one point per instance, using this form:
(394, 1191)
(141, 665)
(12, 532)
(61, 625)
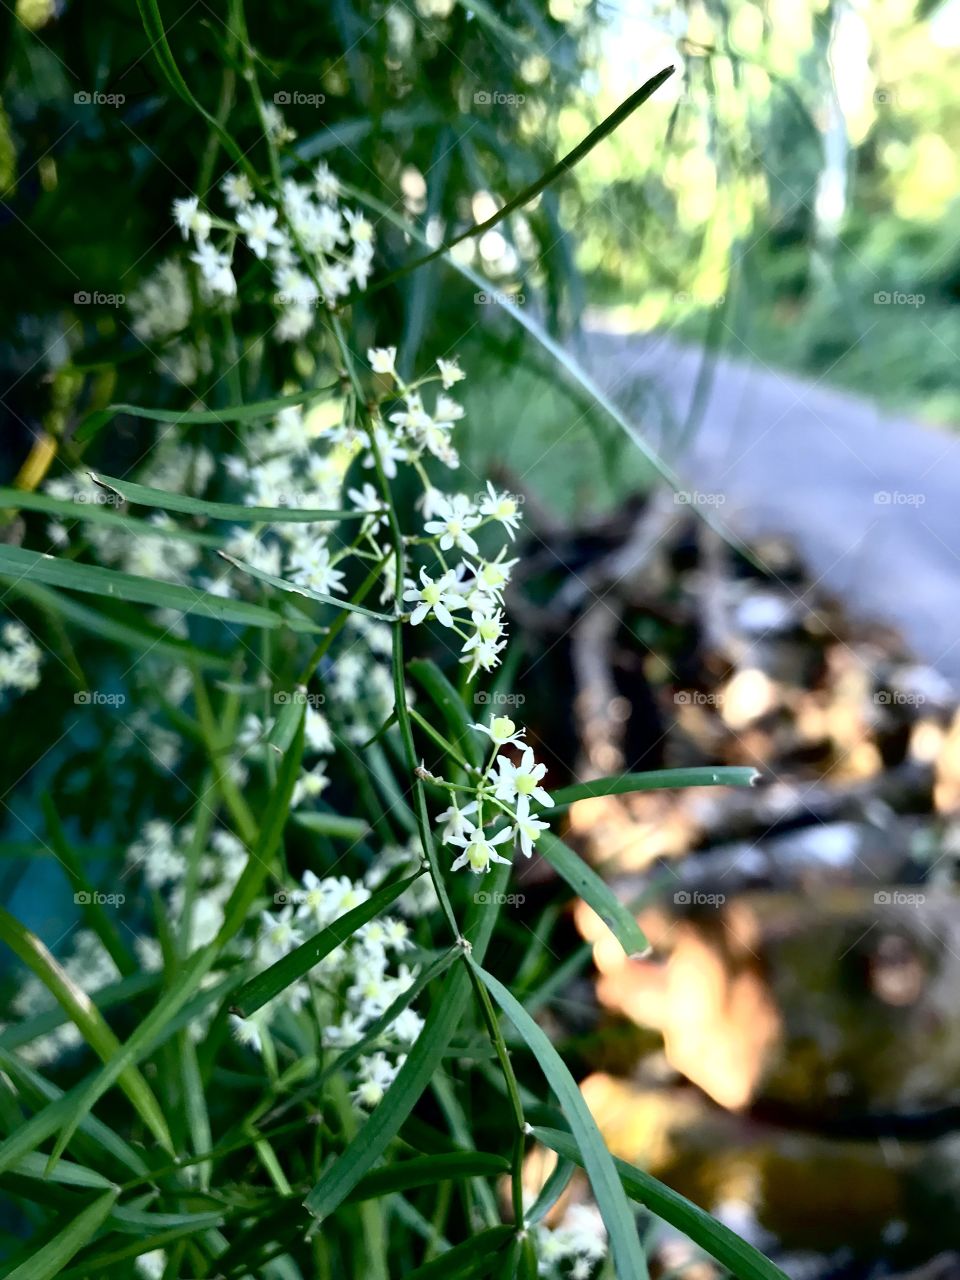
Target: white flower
(367, 499)
(278, 935)
(382, 360)
(317, 731)
(326, 182)
(450, 373)
(456, 518)
(215, 269)
(493, 575)
(311, 566)
(479, 850)
(521, 779)
(483, 648)
(237, 190)
(376, 1075)
(501, 730)
(454, 821)
(527, 828)
(436, 597)
(247, 1031)
(189, 217)
(361, 229)
(502, 507)
(20, 660)
(311, 783)
(258, 223)
(152, 1265)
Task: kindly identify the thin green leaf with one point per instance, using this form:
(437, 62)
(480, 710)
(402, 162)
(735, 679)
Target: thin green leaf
(655, 780)
(97, 513)
(596, 893)
(307, 592)
(141, 636)
(333, 824)
(47, 1121)
(18, 562)
(719, 1241)
(472, 1258)
(96, 421)
(426, 1171)
(596, 1159)
(49, 1260)
(160, 1017)
(67, 1174)
(87, 1018)
(290, 968)
(142, 495)
(564, 165)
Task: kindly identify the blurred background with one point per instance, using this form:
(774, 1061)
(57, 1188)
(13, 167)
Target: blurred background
(719, 362)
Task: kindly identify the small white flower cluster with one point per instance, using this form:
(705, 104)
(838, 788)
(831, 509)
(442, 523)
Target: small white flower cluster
(352, 986)
(161, 856)
(20, 658)
(505, 787)
(579, 1240)
(317, 249)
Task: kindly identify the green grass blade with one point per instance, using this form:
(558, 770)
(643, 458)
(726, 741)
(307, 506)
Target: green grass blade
(596, 893)
(253, 995)
(139, 636)
(596, 1159)
(474, 1257)
(96, 421)
(87, 1018)
(97, 513)
(655, 780)
(742, 1259)
(426, 1171)
(522, 198)
(50, 1260)
(142, 495)
(308, 593)
(18, 562)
